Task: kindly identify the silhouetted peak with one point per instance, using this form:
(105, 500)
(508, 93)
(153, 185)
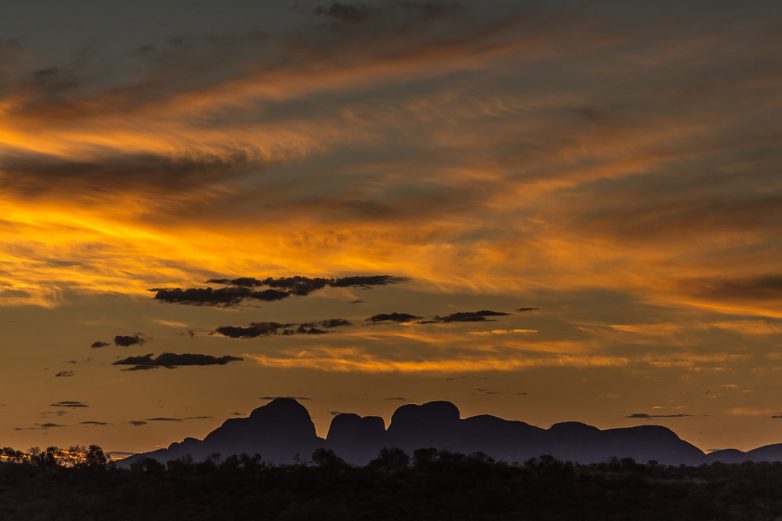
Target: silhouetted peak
(652, 431)
(350, 426)
(186, 443)
(283, 428)
(726, 453)
(572, 428)
(374, 422)
(490, 421)
(431, 413)
(283, 407)
(280, 419)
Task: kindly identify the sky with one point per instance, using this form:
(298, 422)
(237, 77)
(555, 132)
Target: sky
(604, 178)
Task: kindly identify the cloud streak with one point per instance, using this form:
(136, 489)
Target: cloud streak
(173, 360)
(240, 289)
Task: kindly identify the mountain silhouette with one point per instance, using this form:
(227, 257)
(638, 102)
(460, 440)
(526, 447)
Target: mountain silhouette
(282, 432)
(356, 439)
(767, 453)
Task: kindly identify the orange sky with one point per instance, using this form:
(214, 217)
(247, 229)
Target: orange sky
(616, 169)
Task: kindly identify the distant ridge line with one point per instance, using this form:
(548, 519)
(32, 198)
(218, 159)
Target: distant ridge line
(282, 432)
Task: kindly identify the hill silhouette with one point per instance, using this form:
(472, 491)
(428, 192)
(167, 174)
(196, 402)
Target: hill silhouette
(282, 432)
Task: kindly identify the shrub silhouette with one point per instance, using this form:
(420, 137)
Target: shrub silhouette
(83, 484)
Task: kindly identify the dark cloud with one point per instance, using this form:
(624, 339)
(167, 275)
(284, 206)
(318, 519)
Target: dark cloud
(314, 328)
(50, 425)
(64, 374)
(40, 426)
(32, 175)
(69, 403)
(762, 287)
(98, 344)
(365, 281)
(257, 329)
(137, 423)
(93, 423)
(354, 13)
(469, 316)
(645, 416)
(303, 330)
(244, 288)
(216, 297)
(333, 322)
(393, 317)
(524, 310)
(462, 316)
(172, 361)
(13, 293)
(127, 341)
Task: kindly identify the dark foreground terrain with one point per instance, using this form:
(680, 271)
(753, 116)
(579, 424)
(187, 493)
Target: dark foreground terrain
(431, 485)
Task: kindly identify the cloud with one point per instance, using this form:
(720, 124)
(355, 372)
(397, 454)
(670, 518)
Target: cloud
(30, 174)
(524, 310)
(93, 423)
(254, 330)
(167, 419)
(216, 297)
(13, 293)
(127, 341)
(354, 13)
(64, 374)
(98, 344)
(645, 416)
(393, 317)
(257, 329)
(469, 316)
(69, 403)
(50, 425)
(240, 289)
(754, 288)
(370, 359)
(172, 361)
